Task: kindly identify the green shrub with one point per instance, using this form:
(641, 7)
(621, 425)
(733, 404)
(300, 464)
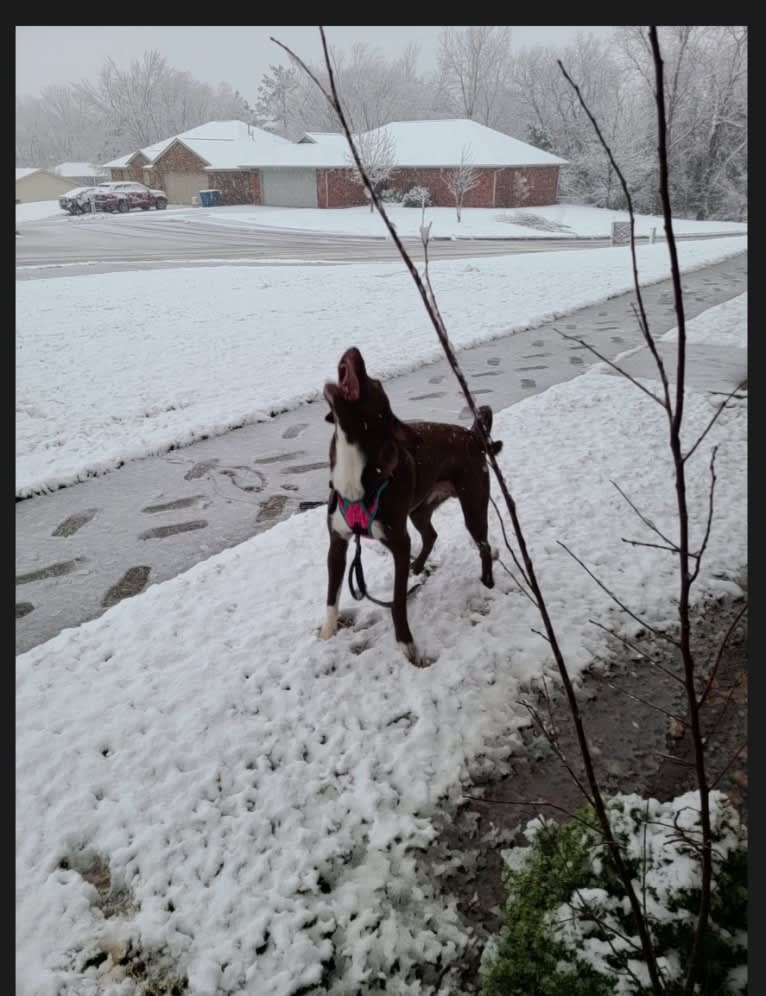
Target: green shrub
(568, 929)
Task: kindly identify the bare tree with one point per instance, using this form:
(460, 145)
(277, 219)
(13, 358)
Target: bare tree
(462, 179)
(474, 67)
(689, 560)
(377, 155)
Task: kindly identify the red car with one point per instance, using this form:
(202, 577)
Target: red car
(122, 195)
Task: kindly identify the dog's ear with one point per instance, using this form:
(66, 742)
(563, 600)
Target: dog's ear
(403, 433)
(329, 417)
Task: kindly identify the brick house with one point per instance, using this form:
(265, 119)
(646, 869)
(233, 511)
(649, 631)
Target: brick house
(252, 166)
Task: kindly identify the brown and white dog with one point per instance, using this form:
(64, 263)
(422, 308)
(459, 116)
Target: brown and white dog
(391, 470)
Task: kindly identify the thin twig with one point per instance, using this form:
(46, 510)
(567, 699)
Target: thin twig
(643, 323)
(713, 420)
(647, 522)
(646, 702)
(719, 655)
(534, 804)
(506, 540)
(651, 546)
(613, 365)
(703, 545)
(642, 622)
(637, 650)
(731, 761)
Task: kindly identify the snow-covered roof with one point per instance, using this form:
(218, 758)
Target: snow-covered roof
(320, 151)
(77, 169)
(440, 143)
(231, 145)
(222, 144)
(23, 171)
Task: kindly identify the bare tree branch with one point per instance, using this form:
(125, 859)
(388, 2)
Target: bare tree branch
(636, 650)
(714, 419)
(613, 365)
(647, 522)
(703, 545)
(642, 622)
(643, 323)
(719, 655)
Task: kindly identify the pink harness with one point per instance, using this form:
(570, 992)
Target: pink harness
(360, 515)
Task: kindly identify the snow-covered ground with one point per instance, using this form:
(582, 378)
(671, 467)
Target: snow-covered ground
(38, 210)
(556, 221)
(117, 366)
(724, 325)
(251, 802)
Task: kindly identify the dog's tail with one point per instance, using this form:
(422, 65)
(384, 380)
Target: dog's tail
(485, 419)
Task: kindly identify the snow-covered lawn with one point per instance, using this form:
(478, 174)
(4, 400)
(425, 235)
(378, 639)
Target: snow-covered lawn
(204, 783)
(556, 221)
(38, 210)
(116, 366)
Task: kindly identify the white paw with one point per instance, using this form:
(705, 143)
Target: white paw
(330, 625)
(410, 652)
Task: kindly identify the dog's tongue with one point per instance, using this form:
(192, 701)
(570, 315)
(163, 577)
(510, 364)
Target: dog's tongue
(348, 382)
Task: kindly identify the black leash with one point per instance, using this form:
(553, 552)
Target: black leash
(356, 571)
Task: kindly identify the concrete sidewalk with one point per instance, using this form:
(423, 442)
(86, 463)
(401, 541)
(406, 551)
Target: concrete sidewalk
(84, 548)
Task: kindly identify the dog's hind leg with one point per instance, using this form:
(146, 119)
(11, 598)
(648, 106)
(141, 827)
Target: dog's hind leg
(421, 520)
(474, 501)
(336, 566)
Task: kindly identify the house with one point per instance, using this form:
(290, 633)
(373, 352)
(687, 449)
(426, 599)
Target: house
(84, 174)
(205, 157)
(253, 166)
(41, 185)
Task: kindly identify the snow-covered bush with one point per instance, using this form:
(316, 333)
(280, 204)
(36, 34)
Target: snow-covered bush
(391, 196)
(568, 929)
(417, 197)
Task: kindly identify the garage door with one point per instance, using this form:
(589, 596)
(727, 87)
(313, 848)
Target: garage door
(289, 187)
(181, 187)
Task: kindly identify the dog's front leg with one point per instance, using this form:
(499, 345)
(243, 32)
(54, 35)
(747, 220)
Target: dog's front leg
(400, 549)
(336, 566)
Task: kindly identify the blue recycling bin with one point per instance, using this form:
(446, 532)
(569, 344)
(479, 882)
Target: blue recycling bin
(210, 198)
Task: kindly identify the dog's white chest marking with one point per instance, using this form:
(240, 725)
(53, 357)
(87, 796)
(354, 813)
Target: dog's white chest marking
(349, 464)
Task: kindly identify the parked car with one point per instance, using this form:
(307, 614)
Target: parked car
(77, 201)
(122, 195)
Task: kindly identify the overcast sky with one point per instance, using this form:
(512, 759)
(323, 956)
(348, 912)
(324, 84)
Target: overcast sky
(235, 55)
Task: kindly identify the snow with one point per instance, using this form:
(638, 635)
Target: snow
(441, 144)
(261, 798)
(117, 366)
(22, 171)
(670, 872)
(724, 325)
(78, 169)
(559, 221)
(222, 144)
(37, 210)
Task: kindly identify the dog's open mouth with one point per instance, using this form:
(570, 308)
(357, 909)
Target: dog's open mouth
(350, 369)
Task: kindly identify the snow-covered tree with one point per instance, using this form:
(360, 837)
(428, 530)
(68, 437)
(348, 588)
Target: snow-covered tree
(461, 179)
(377, 152)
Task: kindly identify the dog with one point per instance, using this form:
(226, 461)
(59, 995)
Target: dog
(384, 470)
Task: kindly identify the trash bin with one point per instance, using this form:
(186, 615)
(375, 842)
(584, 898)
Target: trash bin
(210, 198)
